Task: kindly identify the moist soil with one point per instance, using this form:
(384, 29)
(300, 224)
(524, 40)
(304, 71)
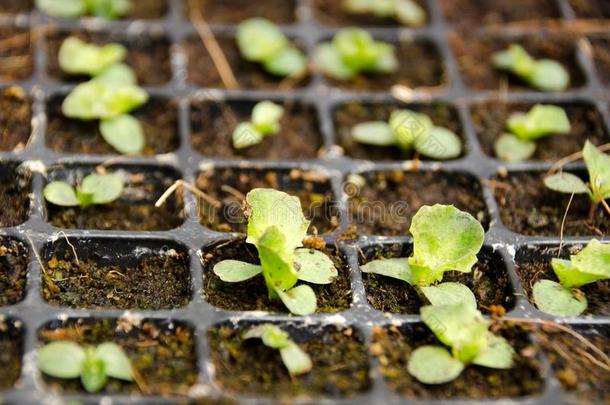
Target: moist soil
(591, 8)
(490, 119)
(148, 9)
(349, 115)
(253, 295)
(15, 119)
(331, 12)
(534, 264)
(11, 350)
(16, 7)
(158, 117)
(229, 186)
(489, 281)
(474, 56)
(14, 259)
(393, 347)
(340, 364)
(16, 54)
(14, 199)
(147, 55)
(212, 125)
(162, 354)
(528, 207)
(601, 56)
(387, 201)
(469, 14)
(236, 11)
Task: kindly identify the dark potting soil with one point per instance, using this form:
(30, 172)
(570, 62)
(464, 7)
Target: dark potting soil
(349, 115)
(529, 208)
(253, 294)
(601, 56)
(14, 198)
(16, 54)
(158, 117)
(11, 350)
(148, 9)
(386, 202)
(533, 263)
(489, 281)
(14, 259)
(490, 119)
(471, 14)
(591, 8)
(162, 354)
(15, 119)
(148, 55)
(16, 7)
(236, 11)
(339, 357)
(393, 347)
(229, 186)
(212, 125)
(331, 12)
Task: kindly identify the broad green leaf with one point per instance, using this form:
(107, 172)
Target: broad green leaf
(93, 376)
(62, 8)
(300, 300)
(499, 354)
(109, 9)
(266, 117)
(408, 126)
(357, 6)
(554, 299)
(314, 266)
(439, 143)
(61, 359)
(449, 294)
(598, 165)
(61, 193)
(116, 362)
(288, 62)
(382, 8)
(356, 48)
(566, 183)
(377, 133)
(434, 365)
(409, 13)
(124, 133)
(386, 61)
(590, 264)
(397, 268)
(540, 121)
(78, 57)
(277, 260)
(234, 271)
(328, 60)
(515, 59)
(271, 335)
(511, 149)
(105, 188)
(259, 39)
(245, 135)
(295, 359)
(118, 74)
(549, 75)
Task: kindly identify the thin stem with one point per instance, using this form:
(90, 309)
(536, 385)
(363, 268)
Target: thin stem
(189, 187)
(563, 223)
(573, 158)
(605, 205)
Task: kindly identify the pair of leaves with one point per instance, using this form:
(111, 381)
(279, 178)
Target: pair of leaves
(77, 57)
(94, 189)
(266, 117)
(406, 12)
(63, 359)
(108, 9)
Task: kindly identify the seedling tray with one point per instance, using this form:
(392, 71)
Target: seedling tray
(27, 322)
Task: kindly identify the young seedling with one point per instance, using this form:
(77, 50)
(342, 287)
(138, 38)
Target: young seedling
(444, 239)
(353, 51)
(409, 130)
(542, 74)
(261, 41)
(294, 358)
(525, 129)
(563, 298)
(94, 189)
(94, 365)
(266, 117)
(277, 227)
(107, 9)
(462, 328)
(406, 12)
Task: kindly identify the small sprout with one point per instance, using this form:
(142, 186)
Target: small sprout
(68, 360)
(294, 358)
(562, 299)
(77, 57)
(409, 130)
(354, 51)
(108, 9)
(541, 121)
(406, 12)
(466, 332)
(277, 227)
(543, 74)
(94, 190)
(266, 117)
(261, 41)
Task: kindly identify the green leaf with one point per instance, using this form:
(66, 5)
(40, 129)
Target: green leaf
(328, 60)
(124, 133)
(93, 376)
(397, 268)
(314, 266)
(289, 62)
(409, 13)
(259, 39)
(234, 271)
(266, 117)
(511, 149)
(408, 126)
(499, 354)
(61, 359)
(540, 121)
(116, 362)
(449, 294)
(439, 143)
(515, 59)
(598, 165)
(378, 133)
(62, 8)
(271, 335)
(434, 365)
(246, 135)
(61, 193)
(300, 300)
(78, 57)
(277, 260)
(295, 359)
(386, 61)
(566, 183)
(105, 188)
(554, 299)
(590, 264)
(118, 74)
(549, 75)
(109, 9)
(356, 48)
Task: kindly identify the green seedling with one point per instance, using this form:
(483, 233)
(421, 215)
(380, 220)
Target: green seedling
(525, 129)
(563, 298)
(107, 9)
(464, 330)
(294, 358)
(265, 121)
(353, 51)
(94, 365)
(95, 189)
(406, 12)
(409, 130)
(261, 41)
(542, 74)
(444, 239)
(277, 227)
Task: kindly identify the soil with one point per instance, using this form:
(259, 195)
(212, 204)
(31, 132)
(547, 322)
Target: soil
(163, 353)
(601, 56)
(533, 263)
(591, 8)
(16, 7)
(15, 119)
(229, 186)
(253, 295)
(212, 125)
(490, 119)
(158, 117)
(474, 57)
(11, 350)
(340, 363)
(489, 281)
(14, 195)
(387, 201)
(349, 115)
(148, 9)
(528, 207)
(330, 12)
(16, 54)
(471, 14)
(14, 259)
(236, 11)
(148, 55)
(393, 347)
